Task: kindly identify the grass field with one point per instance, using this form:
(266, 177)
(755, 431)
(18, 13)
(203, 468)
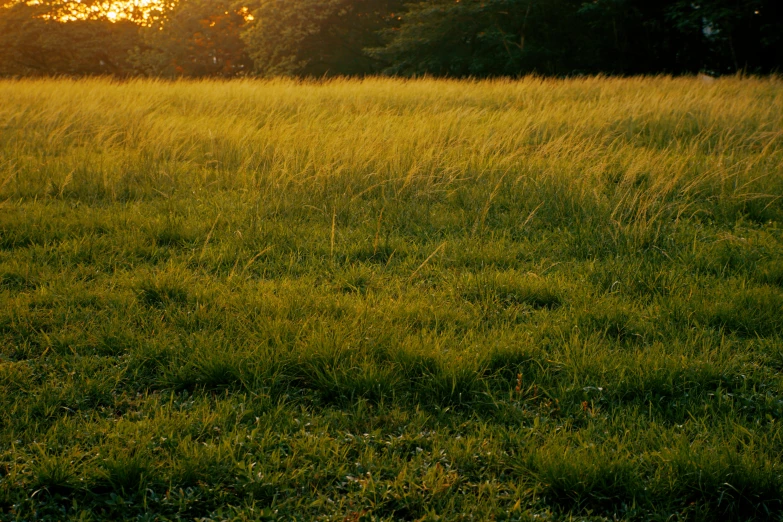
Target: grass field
(389, 300)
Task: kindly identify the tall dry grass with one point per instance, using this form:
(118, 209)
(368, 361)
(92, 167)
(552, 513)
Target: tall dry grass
(634, 151)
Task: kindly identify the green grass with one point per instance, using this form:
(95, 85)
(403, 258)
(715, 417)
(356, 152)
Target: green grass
(391, 300)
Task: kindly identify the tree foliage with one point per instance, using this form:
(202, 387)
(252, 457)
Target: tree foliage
(197, 38)
(458, 38)
(731, 35)
(33, 43)
(318, 37)
(511, 37)
(481, 37)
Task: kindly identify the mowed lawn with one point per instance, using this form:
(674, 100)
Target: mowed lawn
(391, 300)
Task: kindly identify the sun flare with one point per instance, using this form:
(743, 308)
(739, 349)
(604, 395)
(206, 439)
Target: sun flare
(143, 12)
(140, 11)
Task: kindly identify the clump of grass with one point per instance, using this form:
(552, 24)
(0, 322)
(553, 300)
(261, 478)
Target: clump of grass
(727, 256)
(645, 279)
(195, 464)
(126, 473)
(356, 278)
(511, 288)
(172, 237)
(212, 370)
(54, 474)
(615, 321)
(724, 483)
(161, 294)
(749, 312)
(507, 363)
(458, 386)
(770, 273)
(115, 342)
(378, 254)
(16, 282)
(585, 480)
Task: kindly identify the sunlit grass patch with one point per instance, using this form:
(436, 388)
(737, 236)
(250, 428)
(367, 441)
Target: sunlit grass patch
(15, 281)
(770, 273)
(358, 279)
(163, 290)
(205, 365)
(387, 299)
(512, 288)
(747, 312)
(589, 479)
(616, 321)
(126, 471)
(722, 482)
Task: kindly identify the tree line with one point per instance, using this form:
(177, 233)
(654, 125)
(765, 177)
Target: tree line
(455, 38)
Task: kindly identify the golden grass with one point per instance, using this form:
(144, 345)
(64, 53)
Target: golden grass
(391, 299)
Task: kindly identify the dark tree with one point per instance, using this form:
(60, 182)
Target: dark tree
(197, 38)
(484, 38)
(455, 38)
(318, 37)
(563, 37)
(732, 35)
(33, 42)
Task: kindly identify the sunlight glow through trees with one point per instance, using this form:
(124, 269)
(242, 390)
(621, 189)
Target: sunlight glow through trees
(144, 12)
